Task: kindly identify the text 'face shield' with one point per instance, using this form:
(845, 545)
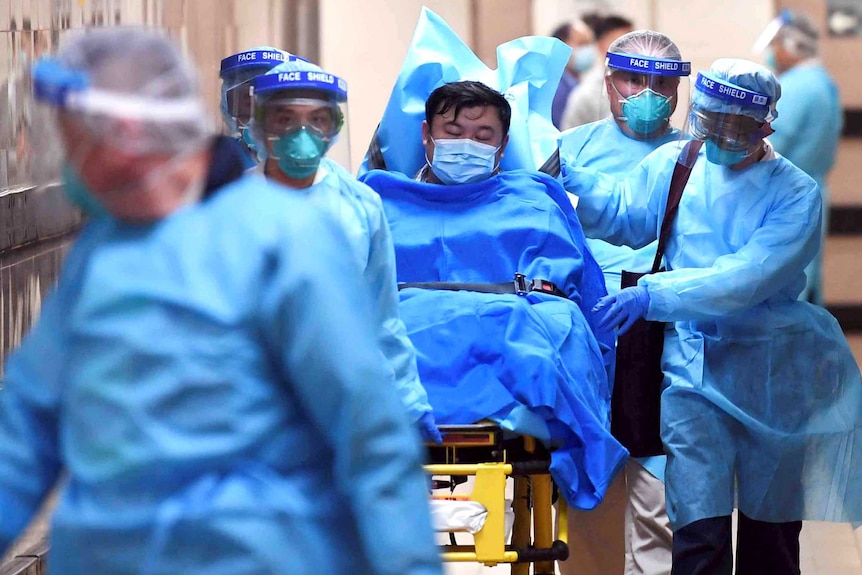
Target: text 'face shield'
(727, 118)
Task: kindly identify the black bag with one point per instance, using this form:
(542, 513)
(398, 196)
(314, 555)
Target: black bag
(636, 399)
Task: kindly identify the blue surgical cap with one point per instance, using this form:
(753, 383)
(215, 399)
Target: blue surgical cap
(741, 74)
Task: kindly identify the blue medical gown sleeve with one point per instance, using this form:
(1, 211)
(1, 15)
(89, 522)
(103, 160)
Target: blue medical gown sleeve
(29, 404)
(622, 211)
(787, 239)
(394, 343)
(322, 336)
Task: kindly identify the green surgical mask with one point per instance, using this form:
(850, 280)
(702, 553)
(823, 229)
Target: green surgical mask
(723, 157)
(299, 152)
(646, 112)
(79, 194)
(769, 58)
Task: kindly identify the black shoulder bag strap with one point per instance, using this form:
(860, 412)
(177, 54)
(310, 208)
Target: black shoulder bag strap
(681, 172)
(636, 399)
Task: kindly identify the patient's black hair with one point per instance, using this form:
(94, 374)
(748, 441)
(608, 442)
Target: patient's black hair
(467, 94)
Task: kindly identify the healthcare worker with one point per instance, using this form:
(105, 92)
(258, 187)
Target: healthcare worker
(204, 377)
(762, 405)
(236, 73)
(644, 71)
(299, 112)
(579, 37)
(789, 45)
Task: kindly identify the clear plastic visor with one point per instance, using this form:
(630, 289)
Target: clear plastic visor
(325, 119)
(645, 105)
(728, 131)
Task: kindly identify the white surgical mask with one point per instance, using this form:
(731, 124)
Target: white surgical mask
(463, 160)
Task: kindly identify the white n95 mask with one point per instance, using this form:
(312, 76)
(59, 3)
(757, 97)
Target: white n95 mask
(463, 161)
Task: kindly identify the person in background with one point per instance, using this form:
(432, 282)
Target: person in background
(587, 103)
(790, 47)
(297, 117)
(580, 37)
(204, 381)
(236, 73)
(642, 101)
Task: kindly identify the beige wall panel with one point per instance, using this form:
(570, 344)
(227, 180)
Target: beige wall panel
(548, 14)
(498, 21)
(845, 180)
(365, 43)
(842, 270)
(706, 30)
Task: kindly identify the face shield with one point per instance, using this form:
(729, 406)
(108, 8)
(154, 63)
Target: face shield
(644, 91)
(731, 120)
(237, 73)
(110, 141)
(299, 117)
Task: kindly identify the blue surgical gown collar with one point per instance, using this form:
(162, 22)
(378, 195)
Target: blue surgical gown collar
(450, 193)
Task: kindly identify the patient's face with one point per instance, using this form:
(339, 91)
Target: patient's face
(479, 123)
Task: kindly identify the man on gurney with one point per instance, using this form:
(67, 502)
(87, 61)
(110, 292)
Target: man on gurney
(520, 351)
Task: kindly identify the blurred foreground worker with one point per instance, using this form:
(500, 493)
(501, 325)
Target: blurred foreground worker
(762, 406)
(299, 112)
(205, 371)
(580, 38)
(237, 73)
(810, 118)
(644, 72)
(587, 102)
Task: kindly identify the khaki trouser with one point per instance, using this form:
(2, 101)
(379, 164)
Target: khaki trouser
(628, 533)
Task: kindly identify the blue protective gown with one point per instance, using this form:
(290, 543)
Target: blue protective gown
(211, 386)
(359, 210)
(531, 363)
(760, 389)
(605, 147)
(807, 132)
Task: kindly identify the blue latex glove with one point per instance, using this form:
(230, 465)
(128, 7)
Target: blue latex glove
(624, 309)
(428, 428)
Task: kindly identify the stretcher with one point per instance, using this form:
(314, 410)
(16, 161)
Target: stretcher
(492, 456)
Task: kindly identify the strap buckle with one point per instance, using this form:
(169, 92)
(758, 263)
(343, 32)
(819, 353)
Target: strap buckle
(523, 286)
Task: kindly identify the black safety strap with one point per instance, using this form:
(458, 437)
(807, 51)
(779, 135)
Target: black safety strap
(678, 180)
(375, 153)
(519, 286)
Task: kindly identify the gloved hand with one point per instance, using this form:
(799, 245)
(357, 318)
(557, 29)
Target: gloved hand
(428, 428)
(624, 309)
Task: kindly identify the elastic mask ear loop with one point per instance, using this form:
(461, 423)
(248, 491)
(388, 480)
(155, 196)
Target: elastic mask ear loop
(622, 100)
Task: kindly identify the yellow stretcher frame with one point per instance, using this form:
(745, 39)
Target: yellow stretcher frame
(532, 501)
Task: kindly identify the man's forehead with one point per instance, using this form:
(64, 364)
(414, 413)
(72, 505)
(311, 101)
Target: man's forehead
(306, 107)
(486, 115)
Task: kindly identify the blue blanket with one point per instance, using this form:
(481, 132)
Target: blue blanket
(533, 364)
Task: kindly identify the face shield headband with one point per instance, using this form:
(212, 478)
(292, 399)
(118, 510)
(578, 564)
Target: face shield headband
(56, 85)
(650, 65)
(735, 96)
